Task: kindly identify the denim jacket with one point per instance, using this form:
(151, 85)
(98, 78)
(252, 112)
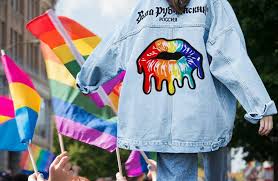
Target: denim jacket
(184, 75)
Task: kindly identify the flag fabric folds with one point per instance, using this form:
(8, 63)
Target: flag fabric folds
(76, 115)
(10, 140)
(42, 157)
(85, 42)
(25, 98)
(136, 165)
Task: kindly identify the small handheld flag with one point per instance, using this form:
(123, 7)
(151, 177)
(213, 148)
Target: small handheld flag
(25, 98)
(43, 158)
(136, 164)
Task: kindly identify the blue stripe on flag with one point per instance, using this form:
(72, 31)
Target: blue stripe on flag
(77, 114)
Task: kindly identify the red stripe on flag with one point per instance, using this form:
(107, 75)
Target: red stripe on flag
(43, 29)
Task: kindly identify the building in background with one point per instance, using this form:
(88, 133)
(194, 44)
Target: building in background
(24, 49)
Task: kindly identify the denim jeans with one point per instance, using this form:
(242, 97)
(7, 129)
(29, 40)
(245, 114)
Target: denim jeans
(184, 166)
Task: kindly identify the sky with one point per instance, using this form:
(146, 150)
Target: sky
(99, 16)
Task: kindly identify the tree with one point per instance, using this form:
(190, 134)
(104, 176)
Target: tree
(259, 21)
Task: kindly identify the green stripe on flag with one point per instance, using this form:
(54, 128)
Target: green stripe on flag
(74, 96)
(74, 67)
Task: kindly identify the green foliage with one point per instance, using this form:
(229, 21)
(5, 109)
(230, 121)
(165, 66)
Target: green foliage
(94, 162)
(259, 21)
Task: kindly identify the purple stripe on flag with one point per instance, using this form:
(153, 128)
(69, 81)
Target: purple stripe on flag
(108, 87)
(87, 135)
(133, 165)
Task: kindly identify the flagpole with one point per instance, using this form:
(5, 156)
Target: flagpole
(39, 176)
(60, 28)
(153, 172)
(61, 142)
(32, 160)
(80, 60)
(105, 98)
(145, 157)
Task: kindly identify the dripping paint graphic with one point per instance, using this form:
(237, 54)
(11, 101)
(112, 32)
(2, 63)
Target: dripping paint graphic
(170, 61)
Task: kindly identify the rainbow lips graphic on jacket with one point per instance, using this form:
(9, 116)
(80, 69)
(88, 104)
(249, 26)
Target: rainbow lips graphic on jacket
(170, 61)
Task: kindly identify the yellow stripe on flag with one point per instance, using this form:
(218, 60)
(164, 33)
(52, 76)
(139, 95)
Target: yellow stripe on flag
(24, 96)
(60, 73)
(114, 99)
(4, 119)
(85, 46)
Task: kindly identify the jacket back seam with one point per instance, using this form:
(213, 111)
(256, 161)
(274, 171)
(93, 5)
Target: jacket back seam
(138, 30)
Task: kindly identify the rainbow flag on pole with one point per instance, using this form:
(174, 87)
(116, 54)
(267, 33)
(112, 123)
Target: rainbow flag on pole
(75, 114)
(85, 41)
(10, 140)
(25, 98)
(42, 157)
(75, 123)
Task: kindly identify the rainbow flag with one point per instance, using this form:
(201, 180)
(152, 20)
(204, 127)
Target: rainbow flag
(76, 115)
(84, 122)
(85, 42)
(10, 140)
(25, 98)
(43, 159)
(136, 165)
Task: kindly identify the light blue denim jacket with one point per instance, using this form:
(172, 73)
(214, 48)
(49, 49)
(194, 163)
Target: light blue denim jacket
(184, 74)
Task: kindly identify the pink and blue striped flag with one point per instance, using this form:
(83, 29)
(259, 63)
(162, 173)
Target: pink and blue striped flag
(26, 99)
(10, 140)
(136, 165)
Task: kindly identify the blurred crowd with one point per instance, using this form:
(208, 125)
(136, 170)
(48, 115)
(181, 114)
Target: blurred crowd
(256, 171)
(5, 176)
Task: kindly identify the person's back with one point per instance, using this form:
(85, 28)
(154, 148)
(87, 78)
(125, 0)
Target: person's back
(183, 75)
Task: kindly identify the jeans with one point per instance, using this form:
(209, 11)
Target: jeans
(184, 166)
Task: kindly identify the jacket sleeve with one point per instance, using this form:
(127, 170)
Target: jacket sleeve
(102, 65)
(231, 65)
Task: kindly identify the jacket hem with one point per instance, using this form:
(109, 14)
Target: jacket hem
(173, 146)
